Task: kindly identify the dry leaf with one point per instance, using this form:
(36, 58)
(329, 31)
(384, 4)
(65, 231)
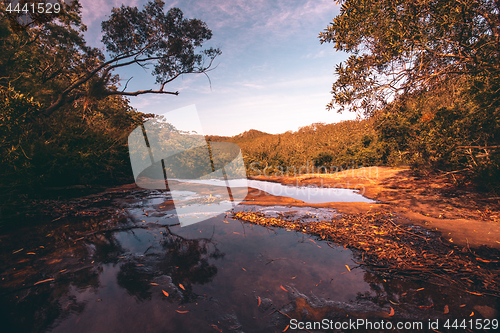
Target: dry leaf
(446, 309)
(286, 328)
(182, 287)
(462, 305)
(165, 293)
(259, 301)
(153, 284)
(312, 240)
(471, 314)
(181, 311)
(243, 269)
(392, 312)
(43, 281)
(283, 288)
(420, 289)
(348, 268)
(294, 277)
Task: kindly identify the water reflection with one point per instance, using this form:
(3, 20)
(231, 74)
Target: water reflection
(114, 274)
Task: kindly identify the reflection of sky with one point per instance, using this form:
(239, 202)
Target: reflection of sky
(273, 74)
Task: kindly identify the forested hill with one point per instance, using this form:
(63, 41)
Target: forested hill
(331, 146)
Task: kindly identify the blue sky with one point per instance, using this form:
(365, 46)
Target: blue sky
(273, 74)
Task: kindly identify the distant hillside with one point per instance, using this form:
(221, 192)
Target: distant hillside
(327, 146)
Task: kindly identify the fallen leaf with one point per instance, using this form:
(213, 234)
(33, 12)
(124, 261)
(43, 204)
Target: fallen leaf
(294, 277)
(392, 312)
(283, 288)
(286, 328)
(31, 253)
(243, 269)
(226, 222)
(471, 314)
(215, 327)
(43, 281)
(259, 301)
(165, 293)
(462, 305)
(312, 240)
(181, 311)
(420, 289)
(426, 306)
(348, 268)
(18, 251)
(153, 284)
(446, 309)
(182, 287)
(234, 232)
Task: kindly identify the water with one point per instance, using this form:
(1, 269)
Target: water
(307, 194)
(112, 274)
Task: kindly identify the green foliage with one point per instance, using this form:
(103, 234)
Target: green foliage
(63, 120)
(311, 149)
(444, 129)
(429, 72)
(401, 47)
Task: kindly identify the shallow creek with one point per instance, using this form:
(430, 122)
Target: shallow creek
(136, 270)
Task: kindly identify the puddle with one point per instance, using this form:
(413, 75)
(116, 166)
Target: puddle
(308, 194)
(221, 275)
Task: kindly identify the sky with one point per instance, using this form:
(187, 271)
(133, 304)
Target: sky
(273, 74)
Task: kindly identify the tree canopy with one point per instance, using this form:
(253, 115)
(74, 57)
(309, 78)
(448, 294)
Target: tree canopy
(52, 48)
(400, 47)
(64, 118)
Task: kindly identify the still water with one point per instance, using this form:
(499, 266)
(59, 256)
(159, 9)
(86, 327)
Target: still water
(135, 270)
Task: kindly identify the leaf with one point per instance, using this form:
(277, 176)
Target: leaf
(472, 313)
(181, 311)
(286, 328)
(153, 284)
(283, 288)
(446, 309)
(165, 293)
(182, 287)
(348, 268)
(420, 289)
(392, 312)
(312, 240)
(259, 301)
(243, 269)
(43, 281)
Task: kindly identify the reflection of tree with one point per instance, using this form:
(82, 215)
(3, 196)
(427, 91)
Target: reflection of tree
(186, 261)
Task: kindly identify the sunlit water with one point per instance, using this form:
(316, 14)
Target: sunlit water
(307, 194)
(113, 274)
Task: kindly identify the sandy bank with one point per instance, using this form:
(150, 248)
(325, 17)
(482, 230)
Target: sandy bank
(463, 217)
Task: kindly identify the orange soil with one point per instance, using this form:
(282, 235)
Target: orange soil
(463, 217)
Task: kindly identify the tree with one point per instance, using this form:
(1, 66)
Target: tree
(70, 70)
(64, 120)
(399, 47)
